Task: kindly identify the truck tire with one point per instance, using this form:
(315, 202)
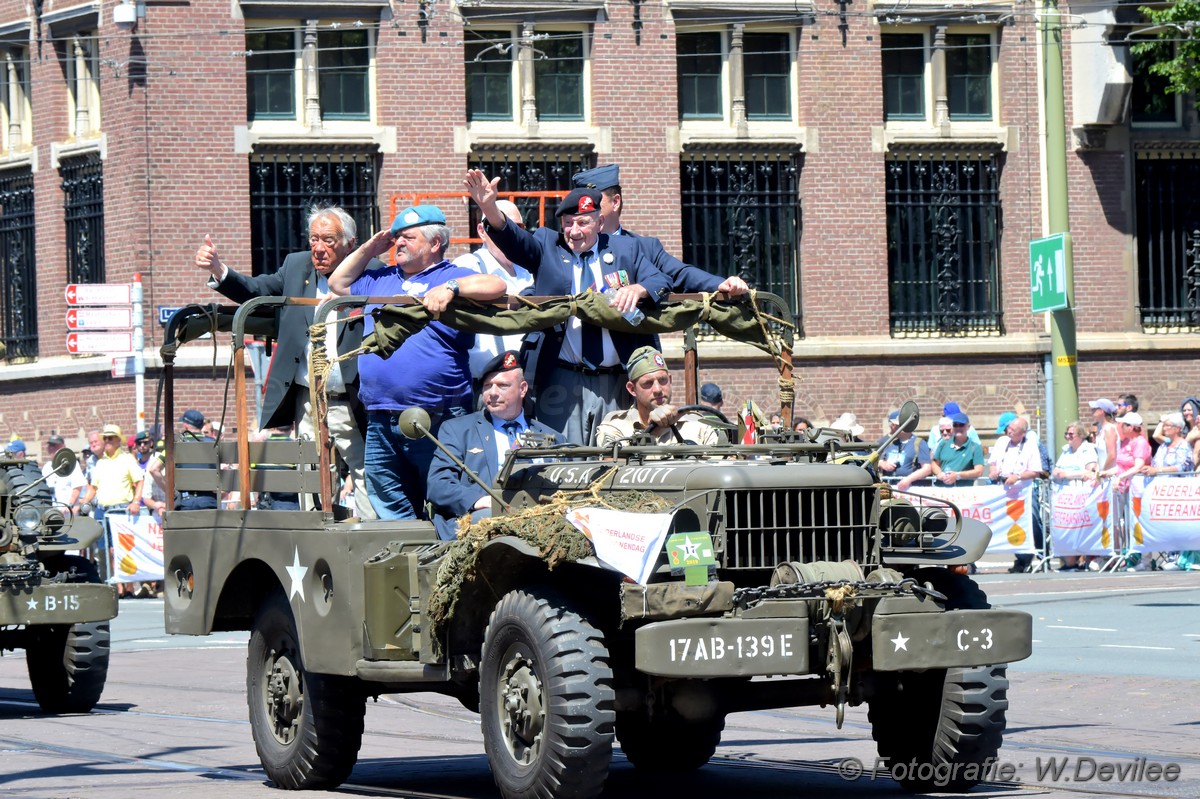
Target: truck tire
(546, 699)
(68, 665)
(937, 729)
(21, 475)
(307, 727)
(667, 744)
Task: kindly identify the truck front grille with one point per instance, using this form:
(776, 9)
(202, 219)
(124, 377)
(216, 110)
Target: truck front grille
(764, 528)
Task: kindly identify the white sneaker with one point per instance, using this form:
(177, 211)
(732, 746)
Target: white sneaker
(1140, 567)
(1172, 567)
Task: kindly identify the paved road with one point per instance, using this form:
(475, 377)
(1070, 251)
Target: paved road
(1113, 678)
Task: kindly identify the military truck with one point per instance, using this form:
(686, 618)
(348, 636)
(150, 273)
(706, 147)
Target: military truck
(52, 604)
(787, 576)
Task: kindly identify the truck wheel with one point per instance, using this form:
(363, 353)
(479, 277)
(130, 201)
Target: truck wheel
(68, 665)
(307, 727)
(936, 729)
(546, 699)
(667, 744)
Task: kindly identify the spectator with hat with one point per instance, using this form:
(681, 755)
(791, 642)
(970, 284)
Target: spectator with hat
(491, 260)
(1107, 437)
(711, 395)
(332, 234)
(115, 484)
(949, 410)
(957, 458)
(143, 448)
(430, 370)
(652, 413)
(684, 277)
(68, 489)
(906, 459)
(15, 449)
(848, 423)
(482, 441)
(578, 369)
(192, 422)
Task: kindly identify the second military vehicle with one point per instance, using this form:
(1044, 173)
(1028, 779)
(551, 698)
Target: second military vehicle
(52, 604)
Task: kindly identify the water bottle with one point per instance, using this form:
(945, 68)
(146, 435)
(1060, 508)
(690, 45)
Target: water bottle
(633, 317)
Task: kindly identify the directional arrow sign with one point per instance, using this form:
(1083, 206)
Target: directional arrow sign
(93, 318)
(100, 343)
(98, 294)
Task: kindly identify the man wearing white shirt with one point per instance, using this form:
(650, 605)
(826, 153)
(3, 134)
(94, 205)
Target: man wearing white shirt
(66, 489)
(490, 260)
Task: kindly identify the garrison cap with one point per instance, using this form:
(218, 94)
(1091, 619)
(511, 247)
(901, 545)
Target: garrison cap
(643, 361)
(579, 201)
(416, 215)
(600, 178)
(504, 362)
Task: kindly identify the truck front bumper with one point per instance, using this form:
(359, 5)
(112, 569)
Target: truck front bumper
(59, 603)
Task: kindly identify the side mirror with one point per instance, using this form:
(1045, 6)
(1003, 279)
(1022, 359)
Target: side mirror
(64, 462)
(414, 423)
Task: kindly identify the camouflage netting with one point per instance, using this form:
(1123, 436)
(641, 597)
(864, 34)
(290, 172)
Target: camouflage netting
(543, 527)
(740, 321)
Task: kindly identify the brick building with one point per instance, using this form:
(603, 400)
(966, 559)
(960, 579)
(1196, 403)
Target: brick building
(878, 165)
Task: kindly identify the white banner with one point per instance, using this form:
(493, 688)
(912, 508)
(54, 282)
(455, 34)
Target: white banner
(1008, 511)
(1166, 513)
(629, 542)
(1081, 519)
(137, 548)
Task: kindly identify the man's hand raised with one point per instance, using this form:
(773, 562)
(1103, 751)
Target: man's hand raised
(484, 193)
(206, 258)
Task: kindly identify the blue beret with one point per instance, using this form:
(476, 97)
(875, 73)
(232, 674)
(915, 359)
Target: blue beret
(579, 201)
(417, 215)
(600, 178)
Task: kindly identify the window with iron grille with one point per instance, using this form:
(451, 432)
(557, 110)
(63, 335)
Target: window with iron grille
(1168, 239)
(18, 266)
(83, 204)
(285, 184)
(943, 232)
(741, 215)
(532, 170)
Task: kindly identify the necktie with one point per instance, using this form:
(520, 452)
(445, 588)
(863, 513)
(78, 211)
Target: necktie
(591, 337)
(512, 430)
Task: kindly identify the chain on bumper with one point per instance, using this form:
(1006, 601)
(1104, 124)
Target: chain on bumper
(829, 589)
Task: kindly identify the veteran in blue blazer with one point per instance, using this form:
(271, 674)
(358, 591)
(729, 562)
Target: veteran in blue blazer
(579, 373)
(482, 441)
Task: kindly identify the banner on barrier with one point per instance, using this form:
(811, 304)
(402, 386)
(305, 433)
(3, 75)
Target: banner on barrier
(1166, 514)
(137, 548)
(1007, 511)
(1081, 521)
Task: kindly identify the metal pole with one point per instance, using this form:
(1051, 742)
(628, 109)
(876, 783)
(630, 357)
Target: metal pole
(1065, 377)
(139, 358)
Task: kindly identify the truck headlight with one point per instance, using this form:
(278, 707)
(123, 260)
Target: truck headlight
(27, 519)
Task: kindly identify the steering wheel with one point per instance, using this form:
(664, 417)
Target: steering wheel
(705, 410)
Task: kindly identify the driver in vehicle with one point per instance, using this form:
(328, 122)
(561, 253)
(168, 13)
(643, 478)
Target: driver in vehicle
(652, 411)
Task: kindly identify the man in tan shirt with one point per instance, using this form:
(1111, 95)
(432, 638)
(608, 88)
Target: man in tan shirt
(652, 411)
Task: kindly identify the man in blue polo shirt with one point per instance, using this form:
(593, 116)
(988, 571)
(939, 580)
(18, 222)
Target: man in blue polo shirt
(430, 370)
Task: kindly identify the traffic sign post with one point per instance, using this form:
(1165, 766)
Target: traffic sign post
(1049, 262)
(123, 333)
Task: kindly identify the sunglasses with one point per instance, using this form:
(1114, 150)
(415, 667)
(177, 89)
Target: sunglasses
(946, 430)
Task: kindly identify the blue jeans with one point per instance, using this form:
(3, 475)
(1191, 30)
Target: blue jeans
(397, 467)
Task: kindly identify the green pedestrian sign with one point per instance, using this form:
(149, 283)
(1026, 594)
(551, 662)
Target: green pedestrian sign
(1048, 262)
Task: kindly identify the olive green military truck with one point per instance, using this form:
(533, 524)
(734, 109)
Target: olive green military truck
(52, 604)
(775, 574)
